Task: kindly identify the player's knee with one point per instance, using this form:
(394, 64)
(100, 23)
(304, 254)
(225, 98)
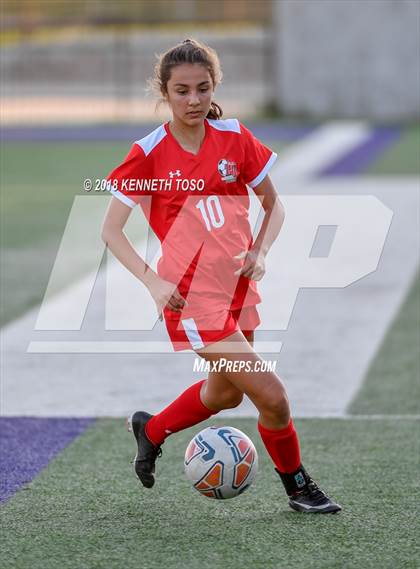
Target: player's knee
(227, 400)
(233, 400)
(277, 405)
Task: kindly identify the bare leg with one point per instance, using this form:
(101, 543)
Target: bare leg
(264, 388)
(218, 392)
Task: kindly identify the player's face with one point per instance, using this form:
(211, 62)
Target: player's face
(189, 93)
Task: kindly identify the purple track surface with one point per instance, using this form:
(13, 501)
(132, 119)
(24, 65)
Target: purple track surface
(360, 158)
(28, 444)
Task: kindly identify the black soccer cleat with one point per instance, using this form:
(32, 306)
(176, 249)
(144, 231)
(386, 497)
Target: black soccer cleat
(305, 495)
(147, 452)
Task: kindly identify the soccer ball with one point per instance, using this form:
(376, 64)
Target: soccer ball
(221, 462)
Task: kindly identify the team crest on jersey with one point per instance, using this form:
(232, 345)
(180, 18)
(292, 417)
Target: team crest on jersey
(228, 170)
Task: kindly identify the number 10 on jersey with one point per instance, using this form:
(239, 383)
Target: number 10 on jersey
(212, 213)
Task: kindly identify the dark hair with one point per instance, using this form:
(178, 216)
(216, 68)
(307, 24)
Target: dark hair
(188, 51)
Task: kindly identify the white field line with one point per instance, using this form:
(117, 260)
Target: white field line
(373, 417)
(380, 417)
(318, 150)
(247, 411)
(342, 417)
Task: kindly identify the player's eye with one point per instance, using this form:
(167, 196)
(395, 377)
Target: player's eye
(204, 90)
(182, 92)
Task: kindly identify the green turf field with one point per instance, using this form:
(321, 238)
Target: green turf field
(392, 384)
(88, 510)
(401, 158)
(39, 182)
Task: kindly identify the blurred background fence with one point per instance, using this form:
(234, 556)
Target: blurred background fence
(89, 60)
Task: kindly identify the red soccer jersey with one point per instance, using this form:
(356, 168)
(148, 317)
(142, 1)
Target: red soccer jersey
(197, 205)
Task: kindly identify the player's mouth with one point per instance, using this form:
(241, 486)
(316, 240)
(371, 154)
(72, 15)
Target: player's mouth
(194, 114)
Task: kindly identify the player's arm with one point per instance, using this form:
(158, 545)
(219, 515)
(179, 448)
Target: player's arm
(273, 217)
(114, 237)
(254, 264)
(163, 292)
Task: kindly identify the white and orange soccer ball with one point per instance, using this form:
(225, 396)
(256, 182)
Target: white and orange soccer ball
(221, 462)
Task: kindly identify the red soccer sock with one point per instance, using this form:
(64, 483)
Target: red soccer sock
(187, 410)
(282, 446)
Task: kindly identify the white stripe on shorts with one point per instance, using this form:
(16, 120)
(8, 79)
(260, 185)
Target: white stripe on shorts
(192, 333)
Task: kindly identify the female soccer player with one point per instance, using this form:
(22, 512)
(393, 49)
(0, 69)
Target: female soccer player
(190, 177)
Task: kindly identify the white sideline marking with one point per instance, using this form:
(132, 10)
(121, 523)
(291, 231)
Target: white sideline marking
(380, 417)
(349, 417)
(318, 150)
(247, 414)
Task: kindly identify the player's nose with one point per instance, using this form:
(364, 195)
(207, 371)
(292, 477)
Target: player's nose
(193, 99)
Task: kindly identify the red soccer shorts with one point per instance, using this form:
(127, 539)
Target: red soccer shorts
(196, 333)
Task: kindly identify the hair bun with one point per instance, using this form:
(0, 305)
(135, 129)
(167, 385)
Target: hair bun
(187, 41)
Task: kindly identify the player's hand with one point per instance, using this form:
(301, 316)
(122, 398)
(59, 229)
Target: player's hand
(254, 264)
(166, 294)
